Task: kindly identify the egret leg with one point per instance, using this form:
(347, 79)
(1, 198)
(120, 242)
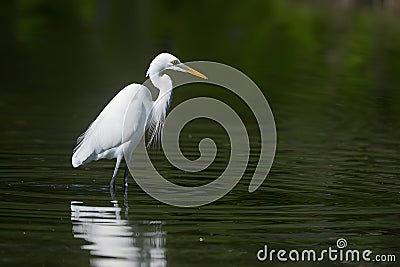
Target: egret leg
(126, 173)
(126, 200)
(112, 182)
(112, 193)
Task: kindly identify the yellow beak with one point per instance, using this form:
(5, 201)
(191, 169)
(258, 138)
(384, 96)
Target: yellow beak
(195, 72)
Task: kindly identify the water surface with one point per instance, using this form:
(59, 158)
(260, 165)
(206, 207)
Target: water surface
(324, 185)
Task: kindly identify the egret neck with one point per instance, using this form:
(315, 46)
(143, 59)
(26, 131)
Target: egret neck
(159, 110)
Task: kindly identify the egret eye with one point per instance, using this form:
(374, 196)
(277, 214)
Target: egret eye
(174, 62)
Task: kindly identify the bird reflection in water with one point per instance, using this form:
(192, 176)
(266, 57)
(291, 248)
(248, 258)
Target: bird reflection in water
(115, 241)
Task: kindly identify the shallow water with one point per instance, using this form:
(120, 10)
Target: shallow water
(325, 184)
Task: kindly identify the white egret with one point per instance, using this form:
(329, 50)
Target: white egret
(103, 138)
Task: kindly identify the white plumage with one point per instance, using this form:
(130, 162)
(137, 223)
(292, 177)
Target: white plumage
(100, 141)
(103, 138)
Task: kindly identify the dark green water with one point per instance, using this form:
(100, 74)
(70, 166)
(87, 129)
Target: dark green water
(330, 76)
(324, 185)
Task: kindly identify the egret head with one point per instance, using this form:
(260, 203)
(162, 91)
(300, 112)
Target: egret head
(165, 61)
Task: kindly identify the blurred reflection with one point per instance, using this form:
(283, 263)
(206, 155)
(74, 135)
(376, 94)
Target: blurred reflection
(113, 241)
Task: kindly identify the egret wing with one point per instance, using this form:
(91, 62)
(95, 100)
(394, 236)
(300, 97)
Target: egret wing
(103, 138)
